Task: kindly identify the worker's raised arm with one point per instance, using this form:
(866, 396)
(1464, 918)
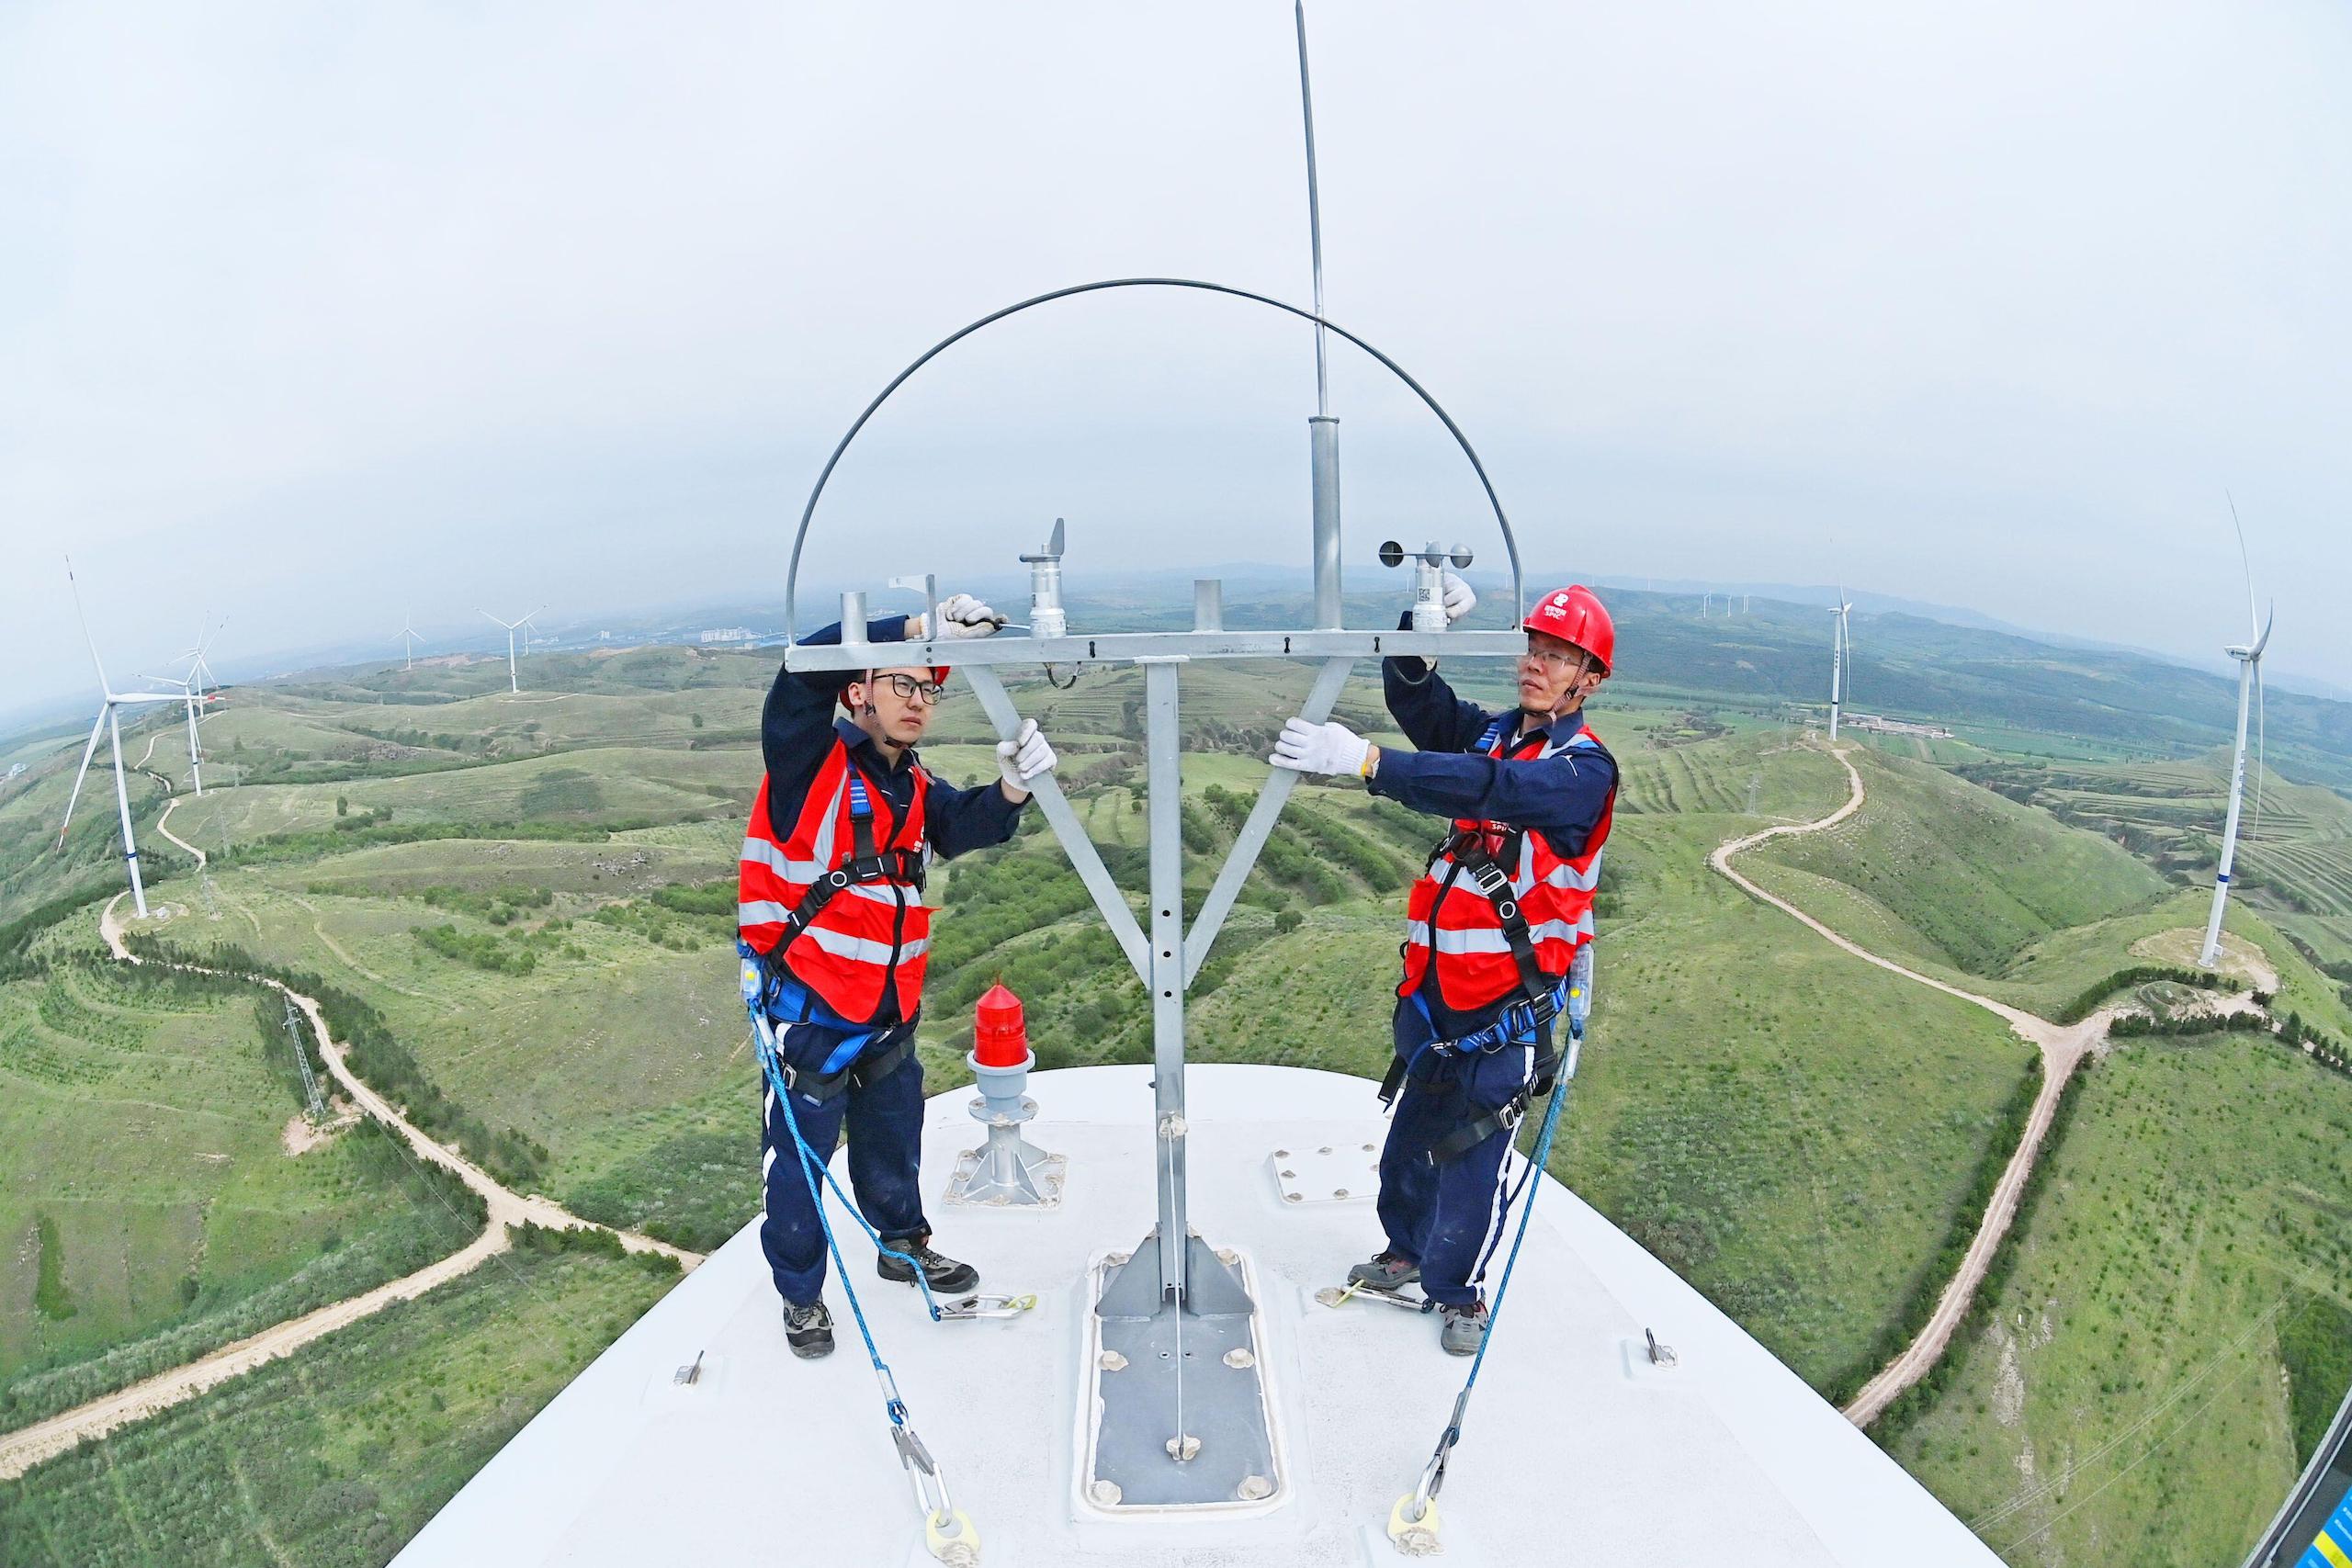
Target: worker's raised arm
(1563, 796)
(1426, 710)
(1424, 706)
(796, 723)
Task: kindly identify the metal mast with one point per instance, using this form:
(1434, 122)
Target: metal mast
(1323, 431)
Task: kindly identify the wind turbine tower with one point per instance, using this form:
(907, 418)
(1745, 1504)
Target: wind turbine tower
(109, 724)
(1837, 647)
(188, 694)
(512, 684)
(2249, 658)
(408, 640)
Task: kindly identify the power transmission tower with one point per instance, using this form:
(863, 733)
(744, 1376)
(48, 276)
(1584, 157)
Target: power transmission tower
(318, 1110)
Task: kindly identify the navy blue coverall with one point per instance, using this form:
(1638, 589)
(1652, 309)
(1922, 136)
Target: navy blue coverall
(1444, 1217)
(884, 1117)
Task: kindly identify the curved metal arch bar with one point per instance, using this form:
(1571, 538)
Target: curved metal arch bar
(800, 537)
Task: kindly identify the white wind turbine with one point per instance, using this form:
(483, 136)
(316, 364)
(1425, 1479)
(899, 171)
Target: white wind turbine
(1837, 649)
(512, 684)
(192, 692)
(408, 639)
(191, 696)
(109, 724)
(2249, 658)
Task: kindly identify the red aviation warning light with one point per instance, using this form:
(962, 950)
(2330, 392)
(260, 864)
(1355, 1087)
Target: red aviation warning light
(1000, 1033)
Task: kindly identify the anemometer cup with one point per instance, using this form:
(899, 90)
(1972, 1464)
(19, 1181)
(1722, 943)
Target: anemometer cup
(1429, 578)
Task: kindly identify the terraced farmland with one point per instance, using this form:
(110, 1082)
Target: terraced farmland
(2295, 854)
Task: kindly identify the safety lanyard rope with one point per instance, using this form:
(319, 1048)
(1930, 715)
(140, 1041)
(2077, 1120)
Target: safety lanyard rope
(811, 1169)
(1415, 1508)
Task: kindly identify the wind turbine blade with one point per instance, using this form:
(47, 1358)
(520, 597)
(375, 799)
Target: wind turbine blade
(2246, 563)
(87, 640)
(87, 751)
(2254, 652)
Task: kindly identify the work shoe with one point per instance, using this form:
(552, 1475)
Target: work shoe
(1461, 1329)
(1385, 1272)
(942, 1273)
(809, 1330)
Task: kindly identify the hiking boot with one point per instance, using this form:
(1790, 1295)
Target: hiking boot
(940, 1272)
(1385, 1272)
(809, 1330)
(1461, 1329)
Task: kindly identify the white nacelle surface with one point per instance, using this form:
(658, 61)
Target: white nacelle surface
(1575, 1448)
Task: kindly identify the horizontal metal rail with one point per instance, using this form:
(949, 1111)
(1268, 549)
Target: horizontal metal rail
(1121, 648)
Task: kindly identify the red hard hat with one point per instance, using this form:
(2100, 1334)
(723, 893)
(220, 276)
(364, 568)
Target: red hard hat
(1574, 615)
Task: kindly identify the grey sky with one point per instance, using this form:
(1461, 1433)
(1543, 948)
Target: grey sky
(311, 312)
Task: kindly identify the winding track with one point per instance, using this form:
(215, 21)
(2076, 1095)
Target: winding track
(2062, 1047)
(23, 1449)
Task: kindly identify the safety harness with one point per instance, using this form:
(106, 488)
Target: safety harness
(1479, 860)
(787, 1000)
(897, 864)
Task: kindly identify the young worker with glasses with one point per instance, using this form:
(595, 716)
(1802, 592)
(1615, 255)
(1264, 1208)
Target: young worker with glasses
(841, 836)
(1491, 929)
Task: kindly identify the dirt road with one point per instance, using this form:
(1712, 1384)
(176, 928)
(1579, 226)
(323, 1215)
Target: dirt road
(21, 1450)
(2062, 1047)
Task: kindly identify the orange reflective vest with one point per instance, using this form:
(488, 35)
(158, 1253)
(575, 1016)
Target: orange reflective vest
(1474, 964)
(839, 899)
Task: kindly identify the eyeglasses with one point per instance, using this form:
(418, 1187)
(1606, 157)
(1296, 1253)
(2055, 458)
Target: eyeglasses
(1572, 660)
(908, 688)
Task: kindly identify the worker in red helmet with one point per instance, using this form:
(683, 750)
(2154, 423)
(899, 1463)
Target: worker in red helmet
(1491, 929)
(830, 908)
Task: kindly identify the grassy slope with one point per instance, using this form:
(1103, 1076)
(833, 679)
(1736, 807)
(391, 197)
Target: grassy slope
(145, 1127)
(338, 1454)
(1977, 877)
(1746, 1077)
(1744, 1080)
(2202, 1188)
(607, 1058)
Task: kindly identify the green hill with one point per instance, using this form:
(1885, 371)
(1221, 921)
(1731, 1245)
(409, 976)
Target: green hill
(2177, 1294)
(150, 1207)
(1973, 876)
(529, 899)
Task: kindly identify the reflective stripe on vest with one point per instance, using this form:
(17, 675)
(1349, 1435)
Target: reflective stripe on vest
(866, 934)
(1454, 932)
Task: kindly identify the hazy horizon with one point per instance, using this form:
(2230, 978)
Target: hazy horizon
(328, 318)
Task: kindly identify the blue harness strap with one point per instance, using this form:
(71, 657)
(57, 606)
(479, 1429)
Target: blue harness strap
(812, 1169)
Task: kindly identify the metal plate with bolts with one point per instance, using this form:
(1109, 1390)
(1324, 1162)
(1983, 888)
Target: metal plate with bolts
(1128, 1417)
(1326, 1173)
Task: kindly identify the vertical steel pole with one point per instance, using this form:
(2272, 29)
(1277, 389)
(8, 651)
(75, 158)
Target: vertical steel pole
(1323, 431)
(122, 802)
(1163, 765)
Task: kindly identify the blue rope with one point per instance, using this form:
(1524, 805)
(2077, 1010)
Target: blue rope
(811, 1167)
(1542, 1153)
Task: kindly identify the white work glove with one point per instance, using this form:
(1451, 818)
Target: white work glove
(960, 615)
(1023, 758)
(1319, 748)
(1459, 600)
